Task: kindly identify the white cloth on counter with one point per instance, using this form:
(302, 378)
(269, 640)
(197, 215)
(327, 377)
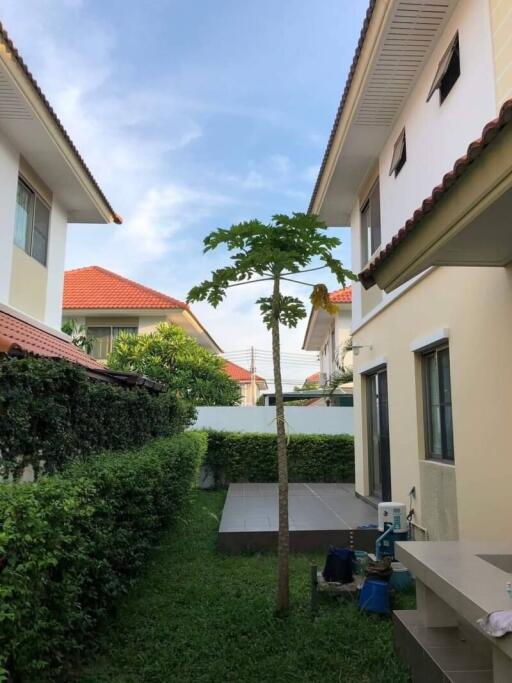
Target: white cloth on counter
(497, 624)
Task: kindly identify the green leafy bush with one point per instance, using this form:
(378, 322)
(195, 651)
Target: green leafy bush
(177, 360)
(236, 456)
(71, 543)
(50, 410)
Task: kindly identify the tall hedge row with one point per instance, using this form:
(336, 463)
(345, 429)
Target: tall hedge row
(50, 411)
(236, 456)
(71, 543)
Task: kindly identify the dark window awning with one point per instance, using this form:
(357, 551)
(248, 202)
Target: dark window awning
(443, 65)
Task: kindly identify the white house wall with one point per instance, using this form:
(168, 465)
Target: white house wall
(342, 324)
(25, 284)
(9, 162)
(55, 265)
(436, 135)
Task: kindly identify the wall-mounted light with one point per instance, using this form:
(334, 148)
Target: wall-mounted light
(356, 347)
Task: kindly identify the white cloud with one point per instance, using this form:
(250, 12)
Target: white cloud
(152, 230)
(130, 134)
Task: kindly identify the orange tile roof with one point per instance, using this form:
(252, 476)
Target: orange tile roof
(341, 296)
(16, 333)
(97, 288)
(238, 373)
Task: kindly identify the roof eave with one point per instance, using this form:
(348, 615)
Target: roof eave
(32, 93)
(347, 101)
(477, 179)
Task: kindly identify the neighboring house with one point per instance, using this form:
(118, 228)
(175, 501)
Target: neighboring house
(250, 387)
(312, 381)
(431, 239)
(328, 334)
(45, 184)
(107, 303)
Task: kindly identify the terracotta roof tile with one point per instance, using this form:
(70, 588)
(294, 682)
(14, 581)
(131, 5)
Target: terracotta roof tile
(341, 296)
(97, 288)
(238, 373)
(4, 36)
(19, 334)
(348, 83)
(475, 149)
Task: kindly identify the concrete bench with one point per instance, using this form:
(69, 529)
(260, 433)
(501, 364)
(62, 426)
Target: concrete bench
(457, 583)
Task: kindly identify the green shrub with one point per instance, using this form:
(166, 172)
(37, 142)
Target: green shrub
(71, 543)
(50, 411)
(236, 456)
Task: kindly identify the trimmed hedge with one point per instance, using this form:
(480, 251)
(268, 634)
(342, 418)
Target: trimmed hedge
(236, 456)
(50, 411)
(71, 543)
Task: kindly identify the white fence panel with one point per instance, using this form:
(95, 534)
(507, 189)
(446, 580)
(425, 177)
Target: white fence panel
(299, 419)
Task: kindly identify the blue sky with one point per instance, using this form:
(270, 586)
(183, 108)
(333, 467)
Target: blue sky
(192, 115)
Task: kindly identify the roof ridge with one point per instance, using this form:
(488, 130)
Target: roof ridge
(138, 285)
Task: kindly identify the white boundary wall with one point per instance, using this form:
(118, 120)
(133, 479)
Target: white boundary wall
(300, 419)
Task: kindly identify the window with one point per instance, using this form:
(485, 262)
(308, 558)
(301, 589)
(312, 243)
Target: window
(101, 346)
(104, 338)
(378, 435)
(448, 71)
(31, 223)
(438, 404)
(370, 224)
(399, 155)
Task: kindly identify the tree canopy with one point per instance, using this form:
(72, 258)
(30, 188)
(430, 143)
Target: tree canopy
(275, 251)
(171, 356)
(281, 248)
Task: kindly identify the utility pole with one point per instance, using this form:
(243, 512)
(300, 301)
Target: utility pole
(253, 378)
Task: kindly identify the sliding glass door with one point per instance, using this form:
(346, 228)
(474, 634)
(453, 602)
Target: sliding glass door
(378, 435)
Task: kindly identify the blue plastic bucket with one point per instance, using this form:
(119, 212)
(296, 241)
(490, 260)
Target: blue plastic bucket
(374, 596)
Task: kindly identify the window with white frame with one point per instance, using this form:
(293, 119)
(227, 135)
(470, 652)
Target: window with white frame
(104, 337)
(31, 223)
(370, 224)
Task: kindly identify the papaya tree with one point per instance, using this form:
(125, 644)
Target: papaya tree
(275, 252)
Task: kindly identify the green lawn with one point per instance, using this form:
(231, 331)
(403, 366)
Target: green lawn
(197, 615)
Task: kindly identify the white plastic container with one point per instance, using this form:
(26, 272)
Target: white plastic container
(394, 514)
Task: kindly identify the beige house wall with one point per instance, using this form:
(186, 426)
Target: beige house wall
(149, 323)
(501, 28)
(471, 499)
(28, 284)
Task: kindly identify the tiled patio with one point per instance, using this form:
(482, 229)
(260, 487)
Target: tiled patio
(319, 515)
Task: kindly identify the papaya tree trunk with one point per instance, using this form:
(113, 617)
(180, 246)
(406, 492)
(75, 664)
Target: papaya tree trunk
(283, 545)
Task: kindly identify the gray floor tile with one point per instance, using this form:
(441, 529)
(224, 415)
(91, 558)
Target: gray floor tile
(311, 507)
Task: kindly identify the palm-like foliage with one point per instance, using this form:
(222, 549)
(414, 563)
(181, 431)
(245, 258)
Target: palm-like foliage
(274, 251)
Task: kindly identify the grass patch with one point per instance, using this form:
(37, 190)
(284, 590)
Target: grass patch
(197, 615)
